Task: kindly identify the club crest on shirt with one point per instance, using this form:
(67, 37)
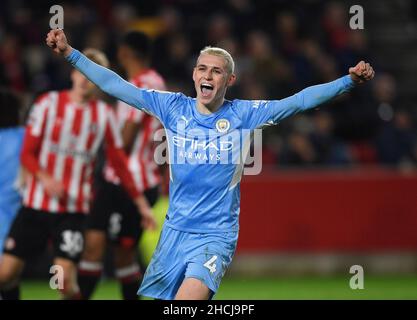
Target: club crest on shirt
(222, 125)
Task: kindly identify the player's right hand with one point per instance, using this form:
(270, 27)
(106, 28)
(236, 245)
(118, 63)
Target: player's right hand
(148, 220)
(53, 188)
(57, 40)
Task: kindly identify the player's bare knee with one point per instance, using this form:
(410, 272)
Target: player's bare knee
(10, 269)
(8, 278)
(69, 269)
(92, 254)
(124, 256)
(69, 286)
(193, 289)
(94, 246)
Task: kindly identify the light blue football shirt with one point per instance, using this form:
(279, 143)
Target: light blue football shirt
(206, 152)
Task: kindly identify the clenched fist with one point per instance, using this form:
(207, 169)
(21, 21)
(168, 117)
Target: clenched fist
(57, 40)
(362, 72)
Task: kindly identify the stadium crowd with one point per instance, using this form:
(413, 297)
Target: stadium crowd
(279, 48)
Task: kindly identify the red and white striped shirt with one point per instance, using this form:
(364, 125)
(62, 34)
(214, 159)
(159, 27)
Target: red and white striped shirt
(62, 138)
(141, 158)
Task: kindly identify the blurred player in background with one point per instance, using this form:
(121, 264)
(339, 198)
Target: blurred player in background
(200, 232)
(114, 215)
(11, 138)
(62, 137)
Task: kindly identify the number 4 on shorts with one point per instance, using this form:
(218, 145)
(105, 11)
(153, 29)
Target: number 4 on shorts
(211, 264)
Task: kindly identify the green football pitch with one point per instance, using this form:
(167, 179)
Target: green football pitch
(291, 288)
(271, 288)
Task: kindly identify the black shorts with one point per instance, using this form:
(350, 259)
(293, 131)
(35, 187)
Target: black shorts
(32, 229)
(114, 212)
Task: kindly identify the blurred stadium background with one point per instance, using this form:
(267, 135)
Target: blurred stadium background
(338, 186)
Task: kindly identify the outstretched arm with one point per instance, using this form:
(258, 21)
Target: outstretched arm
(261, 113)
(107, 80)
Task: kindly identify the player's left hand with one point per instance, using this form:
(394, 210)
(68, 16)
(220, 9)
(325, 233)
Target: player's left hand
(362, 72)
(148, 220)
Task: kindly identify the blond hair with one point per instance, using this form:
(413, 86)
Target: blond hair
(97, 56)
(219, 52)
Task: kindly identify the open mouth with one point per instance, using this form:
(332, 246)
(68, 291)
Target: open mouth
(206, 89)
